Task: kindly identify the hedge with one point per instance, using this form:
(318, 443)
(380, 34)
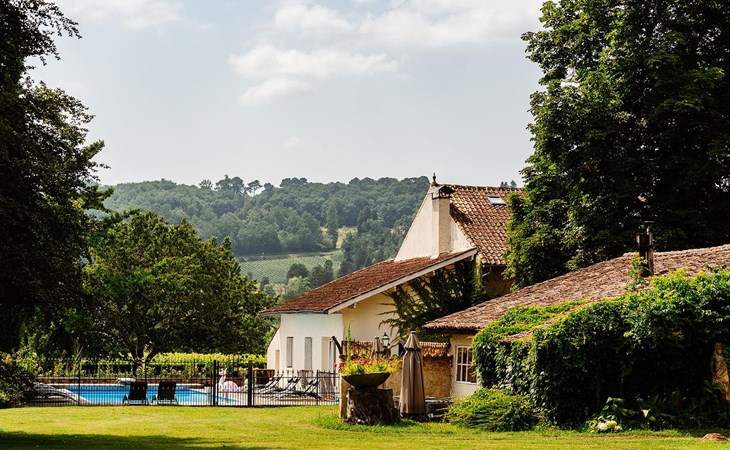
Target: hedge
(654, 344)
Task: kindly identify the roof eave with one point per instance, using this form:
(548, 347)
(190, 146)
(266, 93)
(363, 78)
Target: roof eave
(398, 282)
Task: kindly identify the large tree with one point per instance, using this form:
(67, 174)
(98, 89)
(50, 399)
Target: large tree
(46, 173)
(633, 125)
(157, 287)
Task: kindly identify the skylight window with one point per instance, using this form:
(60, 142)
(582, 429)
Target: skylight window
(496, 200)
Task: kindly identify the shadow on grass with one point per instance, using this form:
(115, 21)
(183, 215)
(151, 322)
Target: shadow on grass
(403, 427)
(13, 440)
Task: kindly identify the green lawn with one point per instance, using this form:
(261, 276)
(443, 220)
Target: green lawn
(297, 428)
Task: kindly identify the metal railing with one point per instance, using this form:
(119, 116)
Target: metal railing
(216, 383)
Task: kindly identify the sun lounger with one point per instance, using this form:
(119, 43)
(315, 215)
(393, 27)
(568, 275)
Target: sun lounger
(165, 393)
(137, 393)
(290, 385)
(269, 385)
(48, 392)
(310, 390)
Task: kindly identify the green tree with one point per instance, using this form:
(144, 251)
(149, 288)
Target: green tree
(47, 176)
(158, 287)
(297, 270)
(632, 126)
(321, 274)
(332, 222)
(424, 299)
(295, 286)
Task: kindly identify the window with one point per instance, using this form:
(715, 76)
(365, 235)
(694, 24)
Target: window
(496, 200)
(465, 372)
(307, 353)
(289, 352)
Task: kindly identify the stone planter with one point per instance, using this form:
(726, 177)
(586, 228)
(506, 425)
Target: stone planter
(366, 380)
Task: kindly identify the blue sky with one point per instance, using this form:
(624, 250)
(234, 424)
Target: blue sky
(327, 90)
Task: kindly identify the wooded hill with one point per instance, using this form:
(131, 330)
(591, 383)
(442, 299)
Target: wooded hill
(297, 216)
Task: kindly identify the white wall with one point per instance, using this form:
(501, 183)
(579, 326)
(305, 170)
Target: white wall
(431, 233)
(365, 318)
(460, 389)
(317, 326)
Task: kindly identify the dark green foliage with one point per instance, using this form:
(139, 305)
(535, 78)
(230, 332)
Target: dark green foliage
(14, 382)
(373, 242)
(654, 346)
(297, 270)
(493, 410)
(424, 299)
(269, 220)
(632, 126)
(160, 288)
(46, 174)
(321, 275)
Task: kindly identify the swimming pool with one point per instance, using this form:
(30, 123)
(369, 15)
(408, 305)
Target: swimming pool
(113, 394)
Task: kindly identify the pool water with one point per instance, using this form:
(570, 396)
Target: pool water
(105, 394)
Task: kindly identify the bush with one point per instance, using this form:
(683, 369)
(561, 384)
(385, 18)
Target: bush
(493, 410)
(11, 382)
(654, 344)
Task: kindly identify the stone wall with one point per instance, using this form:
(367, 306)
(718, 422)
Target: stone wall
(436, 377)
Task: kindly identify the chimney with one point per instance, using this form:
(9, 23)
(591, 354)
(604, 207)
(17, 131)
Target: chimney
(646, 250)
(441, 219)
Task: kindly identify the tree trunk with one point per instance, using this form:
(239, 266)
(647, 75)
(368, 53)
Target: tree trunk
(371, 407)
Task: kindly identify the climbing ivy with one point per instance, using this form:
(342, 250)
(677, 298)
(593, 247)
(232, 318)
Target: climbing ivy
(656, 343)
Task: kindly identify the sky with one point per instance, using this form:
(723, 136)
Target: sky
(326, 90)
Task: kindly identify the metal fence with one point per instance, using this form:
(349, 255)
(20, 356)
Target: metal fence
(216, 383)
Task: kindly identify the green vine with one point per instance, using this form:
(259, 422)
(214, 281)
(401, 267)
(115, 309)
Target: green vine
(654, 343)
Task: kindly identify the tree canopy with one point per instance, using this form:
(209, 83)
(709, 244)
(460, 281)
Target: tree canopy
(46, 173)
(157, 287)
(272, 220)
(632, 126)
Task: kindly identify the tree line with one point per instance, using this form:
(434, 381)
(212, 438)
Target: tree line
(296, 216)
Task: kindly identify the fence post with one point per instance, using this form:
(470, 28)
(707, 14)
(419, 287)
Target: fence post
(251, 383)
(214, 384)
(78, 386)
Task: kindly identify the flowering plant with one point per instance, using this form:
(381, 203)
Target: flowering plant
(357, 366)
(360, 365)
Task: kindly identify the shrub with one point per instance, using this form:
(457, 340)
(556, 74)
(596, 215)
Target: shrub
(653, 344)
(11, 382)
(493, 410)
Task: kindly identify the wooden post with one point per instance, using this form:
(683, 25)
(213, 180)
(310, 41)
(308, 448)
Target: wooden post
(344, 387)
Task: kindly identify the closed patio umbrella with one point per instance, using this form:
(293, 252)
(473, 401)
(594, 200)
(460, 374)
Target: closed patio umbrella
(377, 348)
(412, 392)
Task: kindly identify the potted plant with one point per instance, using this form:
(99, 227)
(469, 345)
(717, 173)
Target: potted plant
(363, 373)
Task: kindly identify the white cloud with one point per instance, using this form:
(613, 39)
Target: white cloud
(272, 89)
(131, 13)
(267, 61)
(315, 19)
(440, 23)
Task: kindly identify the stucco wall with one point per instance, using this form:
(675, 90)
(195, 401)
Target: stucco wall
(430, 230)
(366, 316)
(320, 327)
(460, 389)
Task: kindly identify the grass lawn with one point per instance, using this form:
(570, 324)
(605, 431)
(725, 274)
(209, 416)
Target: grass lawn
(297, 428)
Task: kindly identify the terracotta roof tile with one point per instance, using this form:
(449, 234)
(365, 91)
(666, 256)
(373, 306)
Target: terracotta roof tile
(483, 223)
(358, 283)
(597, 282)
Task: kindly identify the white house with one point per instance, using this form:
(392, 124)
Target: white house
(453, 223)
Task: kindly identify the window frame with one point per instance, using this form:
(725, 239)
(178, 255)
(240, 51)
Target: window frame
(464, 367)
(289, 352)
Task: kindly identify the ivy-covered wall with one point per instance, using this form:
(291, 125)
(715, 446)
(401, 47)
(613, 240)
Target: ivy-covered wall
(654, 344)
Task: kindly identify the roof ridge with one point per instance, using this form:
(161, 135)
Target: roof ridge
(467, 186)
